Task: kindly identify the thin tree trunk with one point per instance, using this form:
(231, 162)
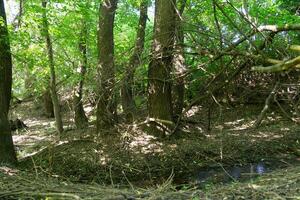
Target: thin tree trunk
(7, 152)
(159, 74)
(134, 61)
(179, 63)
(106, 106)
(54, 97)
(81, 121)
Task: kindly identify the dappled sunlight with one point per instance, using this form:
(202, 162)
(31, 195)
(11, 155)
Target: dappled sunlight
(238, 125)
(8, 171)
(193, 111)
(137, 140)
(130, 152)
(247, 125)
(197, 129)
(103, 158)
(27, 139)
(267, 135)
(35, 123)
(23, 154)
(285, 129)
(201, 101)
(237, 122)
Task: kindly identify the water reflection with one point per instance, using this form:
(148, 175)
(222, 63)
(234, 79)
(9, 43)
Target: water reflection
(236, 172)
(260, 168)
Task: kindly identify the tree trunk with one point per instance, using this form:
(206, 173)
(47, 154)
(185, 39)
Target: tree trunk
(179, 63)
(106, 106)
(7, 152)
(128, 103)
(54, 97)
(48, 105)
(159, 74)
(81, 121)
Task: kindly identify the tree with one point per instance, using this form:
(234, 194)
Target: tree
(54, 97)
(159, 73)
(48, 105)
(179, 62)
(106, 107)
(7, 152)
(135, 59)
(81, 121)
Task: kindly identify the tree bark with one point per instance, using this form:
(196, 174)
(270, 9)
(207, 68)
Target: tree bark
(128, 103)
(179, 63)
(48, 105)
(7, 152)
(81, 121)
(159, 73)
(106, 106)
(54, 97)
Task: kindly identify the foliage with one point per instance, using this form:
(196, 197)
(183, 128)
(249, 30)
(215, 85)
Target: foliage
(223, 39)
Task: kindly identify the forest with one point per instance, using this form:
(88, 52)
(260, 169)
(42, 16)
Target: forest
(149, 99)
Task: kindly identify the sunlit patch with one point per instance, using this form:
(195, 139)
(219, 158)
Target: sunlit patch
(88, 109)
(219, 127)
(139, 141)
(103, 159)
(193, 111)
(9, 171)
(237, 122)
(34, 152)
(199, 129)
(285, 129)
(267, 135)
(145, 143)
(61, 142)
(254, 186)
(244, 126)
(29, 139)
(35, 122)
(173, 146)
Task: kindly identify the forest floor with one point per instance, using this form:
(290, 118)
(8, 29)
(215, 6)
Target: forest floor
(128, 163)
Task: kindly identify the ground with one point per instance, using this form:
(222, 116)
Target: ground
(129, 163)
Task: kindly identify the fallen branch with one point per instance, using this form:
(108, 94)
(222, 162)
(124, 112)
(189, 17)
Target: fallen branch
(295, 47)
(282, 66)
(266, 107)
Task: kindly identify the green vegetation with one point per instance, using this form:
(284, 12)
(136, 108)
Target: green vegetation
(141, 99)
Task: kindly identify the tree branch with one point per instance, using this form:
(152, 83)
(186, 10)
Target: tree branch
(282, 66)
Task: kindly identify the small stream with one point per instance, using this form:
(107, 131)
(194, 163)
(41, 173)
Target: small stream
(226, 174)
(234, 173)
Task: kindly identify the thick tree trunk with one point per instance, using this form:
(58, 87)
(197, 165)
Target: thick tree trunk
(128, 103)
(7, 152)
(179, 63)
(48, 105)
(81, 121)
(106, 106)
(54, 97)
(159, 74)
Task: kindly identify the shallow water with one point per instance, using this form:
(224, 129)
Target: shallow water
(233, 173)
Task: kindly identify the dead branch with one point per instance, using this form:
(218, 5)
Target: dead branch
(266, 107)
